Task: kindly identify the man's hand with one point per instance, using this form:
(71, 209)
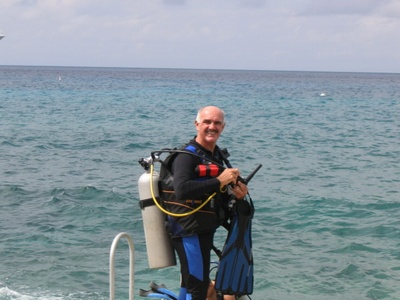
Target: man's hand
(228, 176)
(240, 190)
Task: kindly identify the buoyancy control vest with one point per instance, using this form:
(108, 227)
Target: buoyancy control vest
(209, 217)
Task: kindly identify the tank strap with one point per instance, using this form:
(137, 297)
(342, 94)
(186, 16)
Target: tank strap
(147, 202)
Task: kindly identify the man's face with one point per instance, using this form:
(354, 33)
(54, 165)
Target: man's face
(210, 126)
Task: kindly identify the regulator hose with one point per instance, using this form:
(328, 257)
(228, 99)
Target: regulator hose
(168, 212)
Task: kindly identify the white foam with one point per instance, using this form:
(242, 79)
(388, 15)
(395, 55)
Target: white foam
(5, 291)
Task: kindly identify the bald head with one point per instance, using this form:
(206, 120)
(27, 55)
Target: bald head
(213, 109)
(210, 123)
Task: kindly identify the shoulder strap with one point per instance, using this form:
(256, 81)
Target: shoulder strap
(224, 154)
(194, 149)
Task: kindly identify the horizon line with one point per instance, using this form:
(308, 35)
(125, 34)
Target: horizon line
(199, 69)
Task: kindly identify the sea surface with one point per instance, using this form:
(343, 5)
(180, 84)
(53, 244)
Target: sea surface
(327, 199)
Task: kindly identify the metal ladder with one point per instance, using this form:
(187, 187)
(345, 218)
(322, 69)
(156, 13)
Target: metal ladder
(131, 264)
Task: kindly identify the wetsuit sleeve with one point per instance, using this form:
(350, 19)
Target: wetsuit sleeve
(186, 183)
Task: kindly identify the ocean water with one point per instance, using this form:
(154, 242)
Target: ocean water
(327, 221)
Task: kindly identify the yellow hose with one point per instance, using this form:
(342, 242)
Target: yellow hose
(170, 213)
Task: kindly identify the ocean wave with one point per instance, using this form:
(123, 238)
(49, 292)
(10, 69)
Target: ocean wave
(9, 294)
(327, 206)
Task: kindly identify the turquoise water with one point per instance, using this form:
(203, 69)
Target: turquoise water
(327, 198)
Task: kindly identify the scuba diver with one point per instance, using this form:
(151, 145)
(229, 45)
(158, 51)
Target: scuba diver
(192, 236)
(196, 191)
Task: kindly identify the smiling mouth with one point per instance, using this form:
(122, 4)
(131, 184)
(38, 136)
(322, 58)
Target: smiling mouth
(211, 132)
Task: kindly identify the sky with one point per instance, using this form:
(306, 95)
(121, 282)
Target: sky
(288, 35)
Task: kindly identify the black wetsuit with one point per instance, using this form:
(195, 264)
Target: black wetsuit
(193, 235)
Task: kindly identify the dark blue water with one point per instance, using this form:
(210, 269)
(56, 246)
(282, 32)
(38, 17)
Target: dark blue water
(327, 198)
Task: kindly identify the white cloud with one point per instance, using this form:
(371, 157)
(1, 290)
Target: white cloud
(342, 7)
(246, 34)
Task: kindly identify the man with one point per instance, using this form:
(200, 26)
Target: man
(193, 234)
